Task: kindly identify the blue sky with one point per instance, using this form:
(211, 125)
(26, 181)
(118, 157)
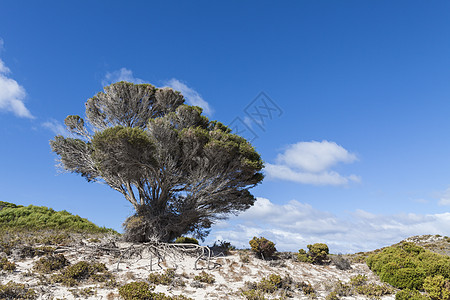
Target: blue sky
(353, 100)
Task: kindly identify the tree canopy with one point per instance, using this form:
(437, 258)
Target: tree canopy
(179, 170)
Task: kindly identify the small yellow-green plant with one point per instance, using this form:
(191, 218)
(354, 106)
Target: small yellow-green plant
(205, 278)
(166, 278)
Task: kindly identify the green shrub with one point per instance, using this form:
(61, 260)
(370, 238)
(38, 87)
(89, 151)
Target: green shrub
(437, 287)
(332, 296)
(358, 280)
(407, 265)
(50, 263)
(317, 254)
(342, 289)
(166, 278)
(270, 284)
(40, 217)
(13, 290)
(408, 294)
(186, 240)
(205, 278)
(262, 247)
(81, 271)
(7, 265)
(137, 290)
(253, 294)
(372, 289)
(302, 256)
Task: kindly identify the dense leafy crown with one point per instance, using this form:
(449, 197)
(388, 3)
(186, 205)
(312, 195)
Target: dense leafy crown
(179, 170)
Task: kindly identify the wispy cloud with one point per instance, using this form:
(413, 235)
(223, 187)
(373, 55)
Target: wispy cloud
(56, 127)
(121, 75)
(12, 94)
(311, 163)
(294, 225)
(192, 96)
(445, 198)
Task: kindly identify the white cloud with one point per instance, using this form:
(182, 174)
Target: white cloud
(192, 96)
(315, 156)
(294, 225)
(12, 94)
(445, 198)
(121, 75)
(56, 127)
(310, 163)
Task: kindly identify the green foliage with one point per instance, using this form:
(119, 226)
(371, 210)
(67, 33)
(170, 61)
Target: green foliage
(302, 256)
(253, 294)
(371, 289)
(437, 287)
(51, 263)
(19, 291)
(407, 265)
(359, 284)
(166, 278)
(139, 290)
(262, 247)
(7, 265)
(40, 217)
(408, 294)
(332, 296)
(205, 278)
(83, 271)
(186, 240)
(317, 254)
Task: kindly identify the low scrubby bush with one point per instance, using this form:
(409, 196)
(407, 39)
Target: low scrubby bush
(205, 278)
(437, 287)
(51, 263)
(165, 279)
(407, 265)
(13, 290)
(317, 254)
(83, 271)
(408, 294)
(262, 247)
(139, 290)
(7, 265)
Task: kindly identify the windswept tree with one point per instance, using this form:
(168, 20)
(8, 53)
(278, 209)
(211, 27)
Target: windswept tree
(179, 170)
